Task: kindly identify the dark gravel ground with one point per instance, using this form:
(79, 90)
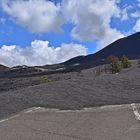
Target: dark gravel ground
(74, 90)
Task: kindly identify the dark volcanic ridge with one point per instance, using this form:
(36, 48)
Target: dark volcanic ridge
(128, 46)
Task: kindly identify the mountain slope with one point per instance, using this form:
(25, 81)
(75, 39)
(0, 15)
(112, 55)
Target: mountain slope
(129, 46)
(71, 90)
(3, 68)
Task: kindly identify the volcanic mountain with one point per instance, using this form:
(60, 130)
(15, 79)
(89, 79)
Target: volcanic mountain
(126, 46)
(65, 86)
(129, 46)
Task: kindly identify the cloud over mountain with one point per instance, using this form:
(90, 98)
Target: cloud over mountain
(39, 53)
(91, 21)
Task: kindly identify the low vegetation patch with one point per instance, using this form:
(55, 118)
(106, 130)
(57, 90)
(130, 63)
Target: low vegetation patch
(125, 62)
(44, 79)
(117, 65)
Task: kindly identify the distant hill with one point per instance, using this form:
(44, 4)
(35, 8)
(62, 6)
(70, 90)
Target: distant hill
(3, 68)
(129, 46)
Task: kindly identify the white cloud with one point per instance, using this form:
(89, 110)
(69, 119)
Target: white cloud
(112, 35)
(39, 16)
(92, 19)
(124, 14)
(136, 15)
(39, 53)
(137, 25)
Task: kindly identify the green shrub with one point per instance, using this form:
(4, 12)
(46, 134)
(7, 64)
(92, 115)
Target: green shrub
(115, 64)
(44, 79)
(125, 62)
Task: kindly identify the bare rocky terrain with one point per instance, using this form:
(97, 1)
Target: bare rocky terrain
(70, 91)
(83, 81)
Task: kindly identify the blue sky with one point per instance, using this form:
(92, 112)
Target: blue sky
(11, 33)
(88, 31)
